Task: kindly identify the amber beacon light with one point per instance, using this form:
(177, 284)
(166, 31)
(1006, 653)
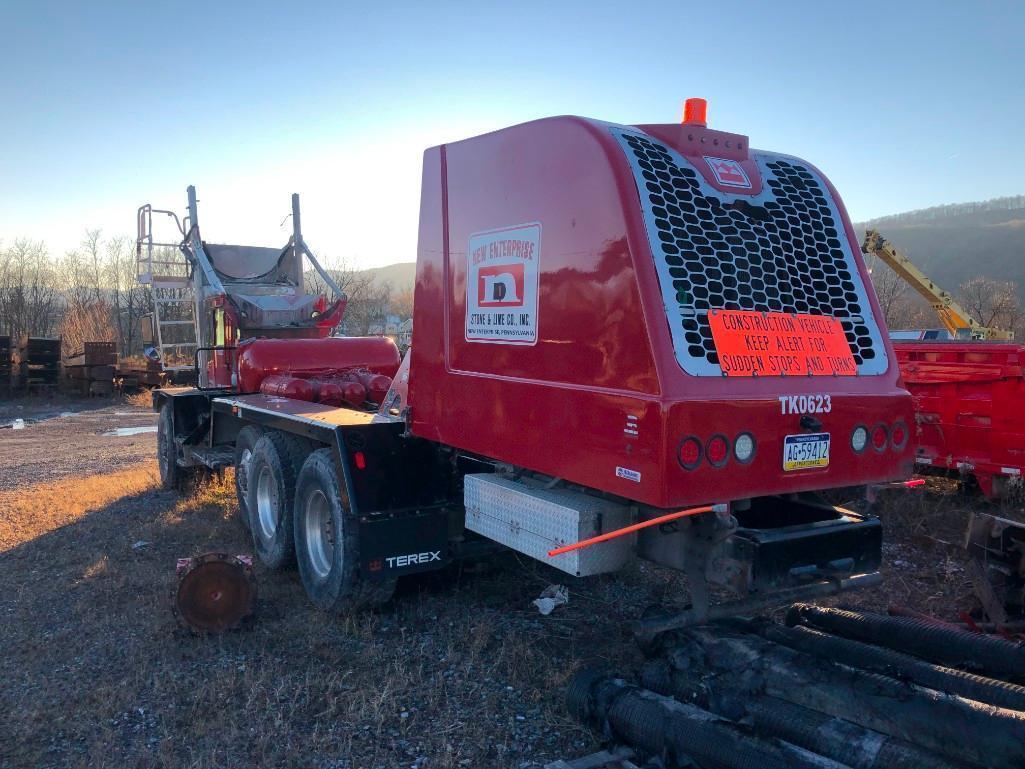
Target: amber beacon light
(695, 112)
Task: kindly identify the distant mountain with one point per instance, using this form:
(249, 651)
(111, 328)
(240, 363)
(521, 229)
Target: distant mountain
(400, 276)
(950, 243)
(956, 242)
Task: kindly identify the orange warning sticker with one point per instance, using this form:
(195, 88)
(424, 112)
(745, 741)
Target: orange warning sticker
(780, 344)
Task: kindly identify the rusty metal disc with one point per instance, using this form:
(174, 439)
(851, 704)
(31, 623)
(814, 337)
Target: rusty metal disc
(214, 592)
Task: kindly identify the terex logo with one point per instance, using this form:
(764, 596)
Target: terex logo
(398, 561)
(728, 173)
(500, 286)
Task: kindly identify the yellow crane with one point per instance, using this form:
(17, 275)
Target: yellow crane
(955, 318)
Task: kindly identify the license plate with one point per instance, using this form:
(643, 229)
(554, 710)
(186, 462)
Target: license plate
(801, 452)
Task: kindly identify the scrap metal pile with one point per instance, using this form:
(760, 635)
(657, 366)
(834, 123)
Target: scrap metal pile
(831, 688)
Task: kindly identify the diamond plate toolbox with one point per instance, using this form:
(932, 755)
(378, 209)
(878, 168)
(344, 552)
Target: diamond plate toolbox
(534, 520)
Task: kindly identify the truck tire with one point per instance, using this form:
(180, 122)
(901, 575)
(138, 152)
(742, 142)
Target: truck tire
(327, 542)
(277, 458)
(244, 445)
(172, 476)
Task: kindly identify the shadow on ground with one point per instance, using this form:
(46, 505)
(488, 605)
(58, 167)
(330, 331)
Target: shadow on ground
(460, 670)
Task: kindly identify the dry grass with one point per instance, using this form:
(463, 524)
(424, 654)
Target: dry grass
(142, 399)
(458, 671)
(29, 513)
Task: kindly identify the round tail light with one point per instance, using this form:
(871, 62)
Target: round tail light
(859, 437)
(688, 454)
(718, 450)
(744, 447)
(880, 436)
(898, 435)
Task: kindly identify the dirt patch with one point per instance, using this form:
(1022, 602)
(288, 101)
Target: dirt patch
(61, 438)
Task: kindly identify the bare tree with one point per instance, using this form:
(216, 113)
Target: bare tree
(994, 303)
(30, 302)
(368, 302)
(87, 322)
(130, 301)
(902, 307)
(367, 308)
(402, 303)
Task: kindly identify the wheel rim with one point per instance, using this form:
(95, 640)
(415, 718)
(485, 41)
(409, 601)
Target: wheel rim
(318, 525)
(242, 472)
(267, 503)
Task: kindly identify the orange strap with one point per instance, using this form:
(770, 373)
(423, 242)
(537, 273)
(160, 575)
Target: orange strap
(628, 530)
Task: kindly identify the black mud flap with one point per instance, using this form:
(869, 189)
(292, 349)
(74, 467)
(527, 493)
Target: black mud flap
(403, 542)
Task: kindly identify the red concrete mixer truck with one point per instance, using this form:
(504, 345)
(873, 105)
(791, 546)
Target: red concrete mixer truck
(629, 341)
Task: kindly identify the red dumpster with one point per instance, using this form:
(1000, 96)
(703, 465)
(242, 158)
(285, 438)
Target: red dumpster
(969, 407)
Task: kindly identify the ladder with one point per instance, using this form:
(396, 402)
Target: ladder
(167, 270)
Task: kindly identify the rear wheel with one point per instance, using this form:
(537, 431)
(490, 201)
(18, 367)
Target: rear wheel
(244, 445)
(270, 480)
(166, 452)
(327, 542)
(172, 475)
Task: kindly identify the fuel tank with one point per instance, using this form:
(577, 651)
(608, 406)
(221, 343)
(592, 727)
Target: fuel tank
(309, 358)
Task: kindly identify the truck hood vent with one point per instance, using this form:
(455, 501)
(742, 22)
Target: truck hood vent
(782, 250)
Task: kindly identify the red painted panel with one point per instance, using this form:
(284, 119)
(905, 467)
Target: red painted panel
(599, 398)
(967, 398)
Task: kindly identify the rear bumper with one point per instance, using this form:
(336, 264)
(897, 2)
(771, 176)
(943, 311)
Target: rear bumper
(778, 544)
(785, 544)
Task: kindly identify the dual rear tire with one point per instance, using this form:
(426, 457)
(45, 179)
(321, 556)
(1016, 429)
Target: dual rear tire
(327, 542)
(270, 494)
(290, 499)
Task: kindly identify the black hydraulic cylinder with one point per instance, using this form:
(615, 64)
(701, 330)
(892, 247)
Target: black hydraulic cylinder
(960, 729)
(989, 655)
(679, 732)
(827, 735)
(898, 665)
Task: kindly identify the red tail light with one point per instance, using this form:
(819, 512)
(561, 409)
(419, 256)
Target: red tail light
(717, 450)
(880, 436)
(360, 460)
(898, 435)
(688, 454)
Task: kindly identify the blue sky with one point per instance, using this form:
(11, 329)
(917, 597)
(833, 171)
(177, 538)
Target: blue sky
(111, 104)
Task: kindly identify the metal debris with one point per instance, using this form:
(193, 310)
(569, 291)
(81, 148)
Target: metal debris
(214, 592)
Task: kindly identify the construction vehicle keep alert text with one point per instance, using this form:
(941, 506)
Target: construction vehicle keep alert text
(652, 335)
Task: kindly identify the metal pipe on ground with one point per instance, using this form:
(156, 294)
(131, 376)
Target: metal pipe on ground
(829, 736)
(896, 665)
(679, 732)
(989, 655)
(648, 627)
(959, 729)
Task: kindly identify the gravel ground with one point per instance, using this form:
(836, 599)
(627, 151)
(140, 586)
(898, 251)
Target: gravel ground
(459, 670)
(68, 437)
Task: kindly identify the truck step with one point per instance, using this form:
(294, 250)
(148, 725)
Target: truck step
(216, 458)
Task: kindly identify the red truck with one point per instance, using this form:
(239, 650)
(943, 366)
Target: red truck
(613, 325)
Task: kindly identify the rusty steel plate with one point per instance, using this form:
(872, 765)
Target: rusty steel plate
(214, 592)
